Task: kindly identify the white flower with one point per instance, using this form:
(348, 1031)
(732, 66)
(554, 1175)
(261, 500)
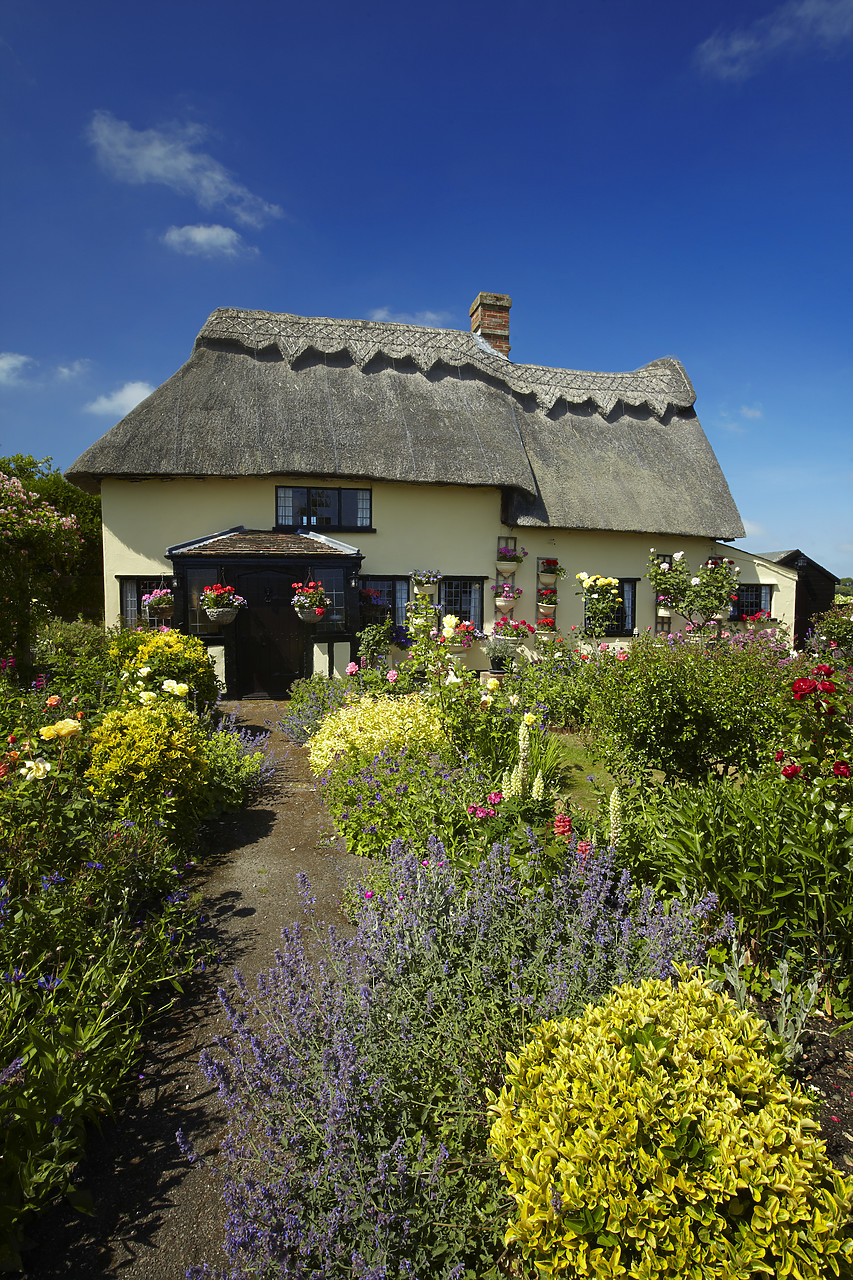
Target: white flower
(679, 555)
(38, 768)
(514, 699)
(146, 697)
(664, 567)
(144, 671)
(453, 678)
(694, 582)
(172, 686)
(581, 577)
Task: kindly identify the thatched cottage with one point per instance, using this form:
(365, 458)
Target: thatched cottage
(354, 451)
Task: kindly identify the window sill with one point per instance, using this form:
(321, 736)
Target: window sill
(325, 528)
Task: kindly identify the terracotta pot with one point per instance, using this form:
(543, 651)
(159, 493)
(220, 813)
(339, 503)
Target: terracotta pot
(222, 616)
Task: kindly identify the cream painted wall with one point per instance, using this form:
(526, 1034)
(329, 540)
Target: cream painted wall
(447, 527)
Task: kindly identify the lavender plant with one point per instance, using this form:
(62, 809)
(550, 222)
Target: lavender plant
(355, 1075)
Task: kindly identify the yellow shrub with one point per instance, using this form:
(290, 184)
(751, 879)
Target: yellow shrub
(652, 1137)
(361, 729)
(152, 762)
(168, 655)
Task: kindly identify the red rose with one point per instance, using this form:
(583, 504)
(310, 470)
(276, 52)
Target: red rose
(779, 756)
(840, 769)
(822, 670)
(826, 686)
(791, 771)
(803, 686)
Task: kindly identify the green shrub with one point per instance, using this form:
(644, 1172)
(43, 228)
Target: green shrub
(651, 1136)
(152, 763)
(685, 708)
(560, 683)
(234, 770)
(166, 655)
(834, 628)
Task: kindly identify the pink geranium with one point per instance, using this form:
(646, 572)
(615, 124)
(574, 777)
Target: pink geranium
(392, 677)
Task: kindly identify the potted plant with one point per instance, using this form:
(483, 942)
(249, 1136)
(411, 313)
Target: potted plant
(425, 581)
(504, 640)
(550, 571)
(505, 596)
(310, 600)
(221, 603)
(547, 600)
(509, 558)
(160, 603)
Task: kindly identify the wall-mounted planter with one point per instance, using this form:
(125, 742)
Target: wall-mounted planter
(506, 567)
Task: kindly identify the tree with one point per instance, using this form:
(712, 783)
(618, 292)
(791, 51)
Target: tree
(78, 588)
(37, 544)
(700, 596)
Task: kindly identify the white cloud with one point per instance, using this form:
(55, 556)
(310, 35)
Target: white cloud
(171, 157)
(751, 411)
(122, 401)
(797, 26)
(431, 319)
(11, 367)
(73, 370)
(207, 241)
(753, 529)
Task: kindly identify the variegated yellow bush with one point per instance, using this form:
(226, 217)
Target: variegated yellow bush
(652, 1137)
(362, 728)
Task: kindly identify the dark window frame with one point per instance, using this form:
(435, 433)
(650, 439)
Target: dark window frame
(472, 580)
(621, 627)
(143, 584)
(738, 611)
(338, 526)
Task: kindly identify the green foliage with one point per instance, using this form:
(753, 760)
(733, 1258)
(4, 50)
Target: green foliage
(152, 763)
(834, 628)
(374, 642)
(166, 655)
(652, 1136)
(89, 940)
(560, 683)
(234, 771)
(601, 601)
(74, 656)
(685, 708)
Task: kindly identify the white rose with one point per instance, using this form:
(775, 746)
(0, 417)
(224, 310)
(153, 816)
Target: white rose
(38, 768)
(694, 582)
(679, 555)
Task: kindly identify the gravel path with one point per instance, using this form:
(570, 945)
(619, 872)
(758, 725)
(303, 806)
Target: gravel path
(154, 1214)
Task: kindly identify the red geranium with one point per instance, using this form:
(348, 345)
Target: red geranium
(791, 771)
(840, 769)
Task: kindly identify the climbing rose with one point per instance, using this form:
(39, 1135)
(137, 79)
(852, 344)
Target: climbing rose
(840, 769)
(791, 771)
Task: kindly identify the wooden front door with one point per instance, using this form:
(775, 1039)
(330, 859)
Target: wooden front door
(271, 639)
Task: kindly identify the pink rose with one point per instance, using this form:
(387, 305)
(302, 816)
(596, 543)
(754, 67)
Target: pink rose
(392, 677)
(351, 668)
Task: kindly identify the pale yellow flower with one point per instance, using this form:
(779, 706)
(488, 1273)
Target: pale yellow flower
(529, 718)
(493, 684)
(514, 699)
(48, 732)
(147, 697)
(38, 768)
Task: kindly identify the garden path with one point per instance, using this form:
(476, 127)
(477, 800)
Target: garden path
(155, 1214)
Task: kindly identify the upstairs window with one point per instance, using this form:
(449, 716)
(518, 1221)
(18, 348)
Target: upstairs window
(322, 509)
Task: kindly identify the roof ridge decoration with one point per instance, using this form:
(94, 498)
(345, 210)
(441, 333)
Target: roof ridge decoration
(660, 385)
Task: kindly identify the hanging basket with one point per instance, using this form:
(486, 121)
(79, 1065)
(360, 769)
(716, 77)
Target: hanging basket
(504, 603)
(506, 567)
(160, 610)
(222, 616)
(424, 588)
(547, 610)
(547, 579)
(309, 615)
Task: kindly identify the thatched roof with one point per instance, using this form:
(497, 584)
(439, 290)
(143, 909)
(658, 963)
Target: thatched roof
(266, 394)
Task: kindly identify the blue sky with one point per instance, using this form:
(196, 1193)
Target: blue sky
(644, 179)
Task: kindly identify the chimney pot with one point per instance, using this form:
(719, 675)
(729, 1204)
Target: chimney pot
(489, 314)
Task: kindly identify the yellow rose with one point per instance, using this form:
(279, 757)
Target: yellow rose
(48, 732)
(66, 728)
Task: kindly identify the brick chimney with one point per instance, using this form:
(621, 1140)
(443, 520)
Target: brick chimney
(490, 318)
